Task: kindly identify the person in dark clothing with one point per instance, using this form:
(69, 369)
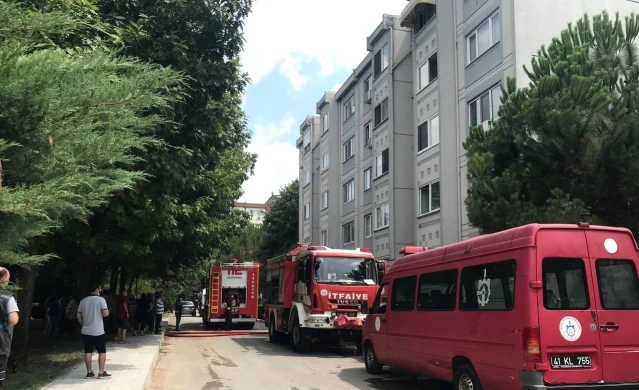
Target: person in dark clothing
(140, 305)
(227, 314)
(8, 319)
(178, 313)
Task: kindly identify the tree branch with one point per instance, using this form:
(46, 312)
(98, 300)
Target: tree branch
(111, 104)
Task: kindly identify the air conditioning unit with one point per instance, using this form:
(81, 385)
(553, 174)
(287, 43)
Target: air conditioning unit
(487, 125)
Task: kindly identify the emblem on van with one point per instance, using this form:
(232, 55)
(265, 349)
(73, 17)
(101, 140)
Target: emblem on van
(378, 324)
(570, 328)
(611, 245)
(483, 291)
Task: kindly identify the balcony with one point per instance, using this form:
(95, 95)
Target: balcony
(418, 13)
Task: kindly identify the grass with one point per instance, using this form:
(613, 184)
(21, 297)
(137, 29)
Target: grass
(47, 360)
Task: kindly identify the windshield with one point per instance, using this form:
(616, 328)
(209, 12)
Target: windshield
(345, 270)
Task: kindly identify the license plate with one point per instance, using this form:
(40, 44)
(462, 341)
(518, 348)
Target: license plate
(559, 362)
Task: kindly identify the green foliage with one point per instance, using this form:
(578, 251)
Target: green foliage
(565, 149)
(244, 246)
(70, 127)
(281, 223)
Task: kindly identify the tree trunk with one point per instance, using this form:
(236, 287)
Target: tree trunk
(20, 343)
(131, 285)
(84, 277)
(123, 278)
(113, 284)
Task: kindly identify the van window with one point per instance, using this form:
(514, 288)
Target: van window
(379, 306)
(565, 284)
(437, 290)
(403, 295)
(618, 284)
(488, 286)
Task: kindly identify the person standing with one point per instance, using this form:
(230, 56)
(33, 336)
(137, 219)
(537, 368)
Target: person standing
(122, 312)
(69, 317)
(178, 312)
(159, 311)
(91, 313)
(8, 319)
(227, 313)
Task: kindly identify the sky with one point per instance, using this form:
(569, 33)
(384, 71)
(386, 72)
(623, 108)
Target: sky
(294, 52)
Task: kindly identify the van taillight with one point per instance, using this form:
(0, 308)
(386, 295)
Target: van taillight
(531, 344)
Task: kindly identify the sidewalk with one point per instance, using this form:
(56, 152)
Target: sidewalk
(129, 364)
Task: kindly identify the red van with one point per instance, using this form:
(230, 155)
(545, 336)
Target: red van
(534, 307)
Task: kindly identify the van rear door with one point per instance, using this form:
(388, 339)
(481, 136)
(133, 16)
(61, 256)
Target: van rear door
(613, 259)
(567, 309)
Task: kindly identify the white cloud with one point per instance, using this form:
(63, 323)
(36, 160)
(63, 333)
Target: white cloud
(336, 87)
(277, 161)
(290, 33)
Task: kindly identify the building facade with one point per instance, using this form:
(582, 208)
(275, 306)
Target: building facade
(256, 211)
(399, 174)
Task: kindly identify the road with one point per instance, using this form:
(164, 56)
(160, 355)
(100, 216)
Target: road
(252, 362)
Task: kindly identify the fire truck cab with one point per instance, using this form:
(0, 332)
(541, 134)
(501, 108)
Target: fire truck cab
(315, 293)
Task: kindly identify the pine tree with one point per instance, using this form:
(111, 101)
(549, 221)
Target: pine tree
(566, 148)
(70, 125)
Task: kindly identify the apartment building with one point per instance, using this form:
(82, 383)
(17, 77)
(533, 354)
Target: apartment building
(256, 211)
(404, 113)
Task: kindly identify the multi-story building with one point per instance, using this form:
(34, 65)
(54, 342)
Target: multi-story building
(256, 211)
(404, 113)
(309, 180)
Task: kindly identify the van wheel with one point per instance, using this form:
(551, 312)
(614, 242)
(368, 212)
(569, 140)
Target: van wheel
(466, 378)
(299, 336)
(373, 366)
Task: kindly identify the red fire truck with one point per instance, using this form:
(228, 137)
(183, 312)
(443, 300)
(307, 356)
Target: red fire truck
(314, 293)
(240, 281)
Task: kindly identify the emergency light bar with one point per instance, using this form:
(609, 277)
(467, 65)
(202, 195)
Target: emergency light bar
(235, 264)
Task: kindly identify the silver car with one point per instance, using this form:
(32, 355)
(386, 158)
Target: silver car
(188, 308)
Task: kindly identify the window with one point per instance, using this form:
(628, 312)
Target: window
(348, 149)
(382, 214)
(368, 133)
(324, 200)
(429, 198)
(368, 90)
(368, 225)
(349, 108)
(488, 286)
(324, 237)
(381, 112)
(381, 60)
(307, 142)
(403, 295)
(482, 39)
(325, 161)
(349, 191)
(307, 178)
(307, 211)
(367, 179)
(428, 134)
(379, 306)
(485, 107)
(325, 123)
(428, 72)
(381, 163)
(348, 232)
(564, 284)
(618, 284)
(437, 290)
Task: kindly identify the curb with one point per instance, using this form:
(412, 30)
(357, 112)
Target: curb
(147, 381)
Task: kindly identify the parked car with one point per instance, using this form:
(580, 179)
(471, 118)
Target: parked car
(188, 308)
(535, 307)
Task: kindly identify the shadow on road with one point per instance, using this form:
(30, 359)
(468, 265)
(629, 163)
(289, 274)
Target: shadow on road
(262, 346)
(391, 379)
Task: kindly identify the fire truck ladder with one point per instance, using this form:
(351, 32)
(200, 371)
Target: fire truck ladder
(215, 292)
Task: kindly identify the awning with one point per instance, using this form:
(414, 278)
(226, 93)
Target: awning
(407, 18)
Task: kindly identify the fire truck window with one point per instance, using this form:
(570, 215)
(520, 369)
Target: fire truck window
(437, 290)
(403, 295)
(488, 286)
(344, 270)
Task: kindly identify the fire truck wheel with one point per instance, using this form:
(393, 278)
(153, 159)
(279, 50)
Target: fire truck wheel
(273, 334)
(373, 366)
(301, 341)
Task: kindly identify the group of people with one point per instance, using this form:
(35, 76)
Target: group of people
(148, 311)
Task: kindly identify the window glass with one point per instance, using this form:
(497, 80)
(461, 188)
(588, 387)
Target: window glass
(618, 284)
(496, 101)
(485, 107)
(434, 196)
(472, 43)
(434, 130)
(472, 107)
(496, 29)
(564, 283)
(403, 295)
(437, 290)
(488, 286)
(483, 38)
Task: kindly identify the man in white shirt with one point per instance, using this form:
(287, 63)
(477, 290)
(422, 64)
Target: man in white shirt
(8, 319)
(91, 313)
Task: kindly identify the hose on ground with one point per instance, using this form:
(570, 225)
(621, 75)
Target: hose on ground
(211, 333)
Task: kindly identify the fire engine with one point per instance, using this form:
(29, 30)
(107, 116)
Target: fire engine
(240, 281)
(314, 293)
